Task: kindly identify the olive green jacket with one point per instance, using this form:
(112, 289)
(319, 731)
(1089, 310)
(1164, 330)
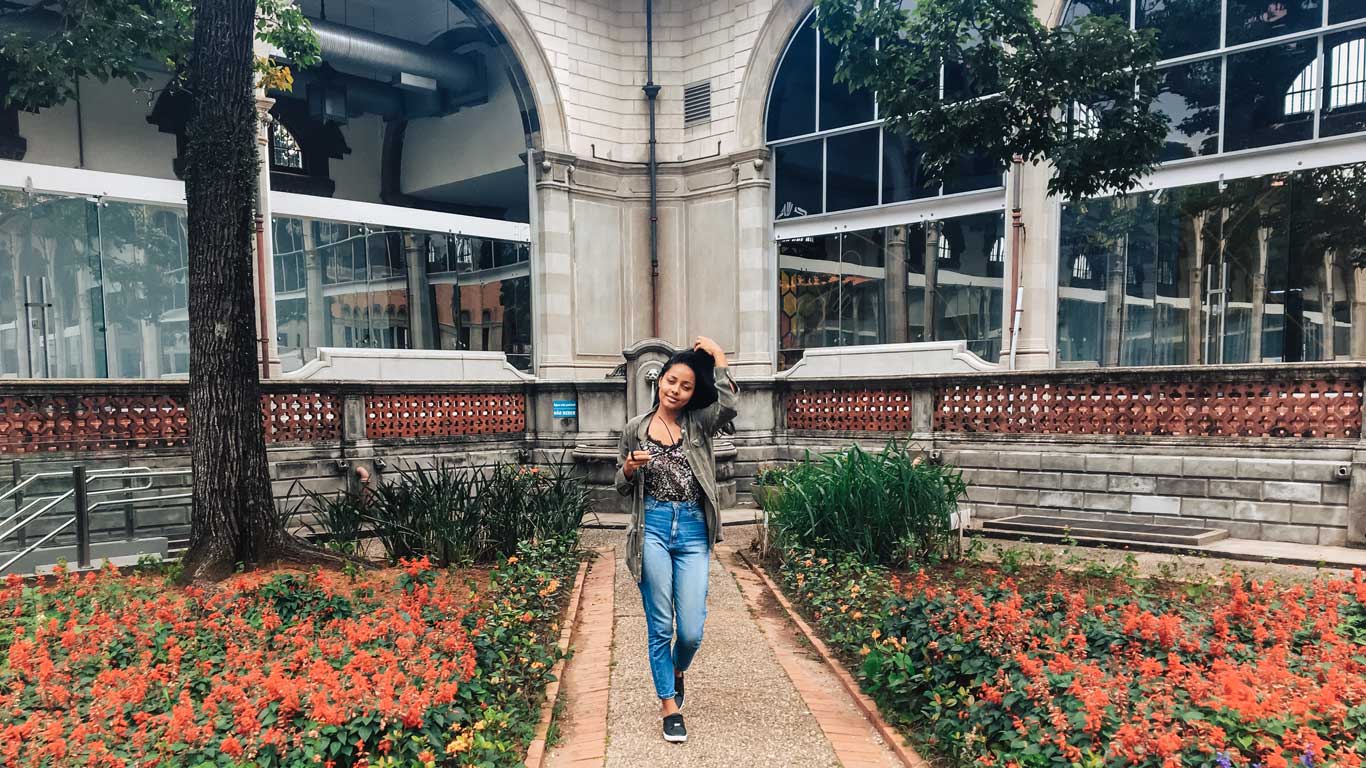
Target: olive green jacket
(696, 430)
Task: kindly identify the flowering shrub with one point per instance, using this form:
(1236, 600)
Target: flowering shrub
(997, 674)
(406, 667)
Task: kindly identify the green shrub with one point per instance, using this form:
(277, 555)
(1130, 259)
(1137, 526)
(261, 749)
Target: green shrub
(456, 514)
(886, 508)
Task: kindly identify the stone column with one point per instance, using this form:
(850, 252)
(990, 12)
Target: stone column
(757, 287)
(931, 278)
(1359, 314)
(1038, 269)
(264, 276)
(319, 324)
(552, 277)
(894, 287)
(1254, 339)
(419, 307)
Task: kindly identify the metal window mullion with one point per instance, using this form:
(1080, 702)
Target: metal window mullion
(1223, 101)
(825, 174)
(1223, 26)
(1321, 84)
(817, 41)
(881, 163)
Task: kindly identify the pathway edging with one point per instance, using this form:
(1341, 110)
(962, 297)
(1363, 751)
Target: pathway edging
(890, 735)
(535, 753)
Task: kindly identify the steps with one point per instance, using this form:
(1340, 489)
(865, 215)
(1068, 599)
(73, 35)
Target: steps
(1107, 532)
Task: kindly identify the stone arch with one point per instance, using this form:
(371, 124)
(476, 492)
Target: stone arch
(539, 90)
(763, 63)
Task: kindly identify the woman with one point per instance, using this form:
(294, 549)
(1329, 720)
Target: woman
(666, 465)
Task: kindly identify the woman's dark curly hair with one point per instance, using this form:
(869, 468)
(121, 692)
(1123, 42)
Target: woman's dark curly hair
(703, 366)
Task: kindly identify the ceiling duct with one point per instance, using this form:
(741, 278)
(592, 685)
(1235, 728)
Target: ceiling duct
(402, 63)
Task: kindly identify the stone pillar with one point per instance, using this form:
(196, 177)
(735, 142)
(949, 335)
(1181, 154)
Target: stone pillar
(1327, 293)
(758, 279)
(264, 277)
(1359, 314)
(319, 324)
(1195, 345)
(419, 307)
(1116, 271)
(1254, 337)
(1038, 268)
(894, 287)
(552, 277)
(151, 349)
(931, 278)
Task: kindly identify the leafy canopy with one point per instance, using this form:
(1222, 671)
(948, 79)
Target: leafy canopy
(48, 46)
(1077, 96)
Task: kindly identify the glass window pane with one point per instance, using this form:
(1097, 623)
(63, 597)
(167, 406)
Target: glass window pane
(1183, 26)
(808, 295)
(13, 225)
(974, 172)
(1344, 98)
(902, 175)
(797, 179)
(1189, 96)
(840, 106)
(1250, 20)
(792, 103)
(1078, 9)
(1090, 248)
(1346, 10)
(968, 282)
(851, 170)
(862, 295)
(1272, 95)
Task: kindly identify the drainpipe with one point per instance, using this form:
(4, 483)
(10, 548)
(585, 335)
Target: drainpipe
(651, 93)
(1017, 232)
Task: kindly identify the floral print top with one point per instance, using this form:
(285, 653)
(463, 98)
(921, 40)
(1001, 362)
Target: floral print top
(668, 476)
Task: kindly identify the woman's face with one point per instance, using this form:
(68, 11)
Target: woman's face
(676, 387)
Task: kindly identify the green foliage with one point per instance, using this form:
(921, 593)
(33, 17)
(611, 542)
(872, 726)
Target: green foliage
(46, 48)
(455, 514)
(1077, 97)
(886, 508)
(1030, 670)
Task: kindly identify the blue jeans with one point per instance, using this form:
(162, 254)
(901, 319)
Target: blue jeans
(676, 554)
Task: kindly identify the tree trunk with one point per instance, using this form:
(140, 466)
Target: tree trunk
(233, 517)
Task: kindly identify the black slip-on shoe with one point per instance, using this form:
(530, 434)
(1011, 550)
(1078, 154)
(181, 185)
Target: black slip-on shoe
(678, 690)
(674, 730)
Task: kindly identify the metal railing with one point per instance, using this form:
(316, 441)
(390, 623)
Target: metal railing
(135, 479)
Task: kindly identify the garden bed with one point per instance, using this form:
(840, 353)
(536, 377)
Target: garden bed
(409, 666)
(1044, 667)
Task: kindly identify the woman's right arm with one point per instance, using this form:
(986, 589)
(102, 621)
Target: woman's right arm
(625, 485)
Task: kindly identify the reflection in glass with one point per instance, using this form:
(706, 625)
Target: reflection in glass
(1346, 10)
(972, 173)
(1189, 97)
(875, 286)
(1078, 9)
(1345, 102)
(350, 285)
(792, 102)
(146, 290)
(1270, 96)
(851, 170)
(1258, 271)
(838, 105)
(1250, 20)
(797, 179)
(968, 282)
(902, 174)
(1183, 26)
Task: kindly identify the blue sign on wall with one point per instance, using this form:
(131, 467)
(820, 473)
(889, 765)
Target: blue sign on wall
(565, 409)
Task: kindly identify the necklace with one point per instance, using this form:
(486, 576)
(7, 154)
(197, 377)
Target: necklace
(667, 431)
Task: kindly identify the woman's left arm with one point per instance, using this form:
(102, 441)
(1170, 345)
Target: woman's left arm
(727, 391)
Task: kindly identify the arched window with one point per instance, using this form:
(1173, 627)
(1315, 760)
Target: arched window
(285, 154)
(830, 151)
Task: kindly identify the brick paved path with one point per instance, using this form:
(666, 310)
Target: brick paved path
(756, 694)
